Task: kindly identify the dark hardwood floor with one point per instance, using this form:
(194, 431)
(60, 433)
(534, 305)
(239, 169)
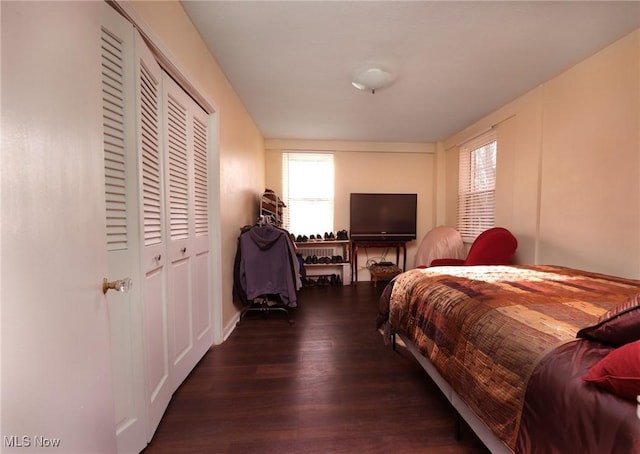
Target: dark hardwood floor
(326, 384)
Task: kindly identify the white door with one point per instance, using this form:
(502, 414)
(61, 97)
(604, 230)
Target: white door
(202, 284)
(56, 364)
(153, 247)
(186, 177)
(178, 192)
(122, 240)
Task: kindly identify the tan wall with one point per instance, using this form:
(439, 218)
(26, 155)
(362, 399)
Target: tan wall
(590, 161)
(569, 165)
(241, 145)
(398, 168)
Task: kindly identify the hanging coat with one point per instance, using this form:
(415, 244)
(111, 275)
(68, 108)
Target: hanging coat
(266, 264)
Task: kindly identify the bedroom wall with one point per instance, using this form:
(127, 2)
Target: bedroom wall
(569, 165)
(241, 145)
(370, 167)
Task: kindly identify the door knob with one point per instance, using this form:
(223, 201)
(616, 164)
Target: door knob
(121, 285)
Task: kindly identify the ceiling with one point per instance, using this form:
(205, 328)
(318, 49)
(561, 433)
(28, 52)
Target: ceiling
(292, 62)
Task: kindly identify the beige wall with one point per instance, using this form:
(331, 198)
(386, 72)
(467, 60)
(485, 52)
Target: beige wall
(241, 145)
(568, 177)
(366, 167)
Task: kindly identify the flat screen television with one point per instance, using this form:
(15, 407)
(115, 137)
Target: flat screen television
(383, 217)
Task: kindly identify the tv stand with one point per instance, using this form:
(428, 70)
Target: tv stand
(355, 244)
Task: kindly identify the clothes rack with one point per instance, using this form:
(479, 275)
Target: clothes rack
(266, 270)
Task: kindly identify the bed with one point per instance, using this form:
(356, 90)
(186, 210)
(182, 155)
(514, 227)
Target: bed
(530, 356)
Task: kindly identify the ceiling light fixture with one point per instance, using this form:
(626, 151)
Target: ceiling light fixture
(372, 79)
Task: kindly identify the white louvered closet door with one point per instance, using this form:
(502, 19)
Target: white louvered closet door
(154, 244)
(202, 258)
(122, 242)
(188, 291)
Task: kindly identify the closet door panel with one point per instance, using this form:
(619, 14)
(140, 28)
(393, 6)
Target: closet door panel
(180, 310)
(178, 190)
(153, 249)
(122, 242)
(202, 304)
(157, 371)
(202, 315)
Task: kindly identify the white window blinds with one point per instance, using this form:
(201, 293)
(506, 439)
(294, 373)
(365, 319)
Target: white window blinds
(307, 191)
(476, 186)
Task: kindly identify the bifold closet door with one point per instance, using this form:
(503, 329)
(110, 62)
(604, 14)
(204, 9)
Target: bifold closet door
(156, 168)
(186, 194)
(202, 316)
(153, 251)
(122, 239)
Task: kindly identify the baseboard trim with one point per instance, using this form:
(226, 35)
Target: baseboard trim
(229, 327)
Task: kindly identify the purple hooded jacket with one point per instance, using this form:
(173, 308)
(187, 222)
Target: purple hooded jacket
(266, 264)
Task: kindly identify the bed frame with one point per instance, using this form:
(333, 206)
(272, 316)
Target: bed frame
(493, 443)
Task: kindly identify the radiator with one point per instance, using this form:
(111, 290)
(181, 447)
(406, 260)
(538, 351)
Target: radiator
(317, 251)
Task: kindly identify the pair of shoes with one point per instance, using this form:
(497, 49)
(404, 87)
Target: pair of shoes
(325, 280)
(302, 239)
(342, 235)
(336, 259)
(329, 236)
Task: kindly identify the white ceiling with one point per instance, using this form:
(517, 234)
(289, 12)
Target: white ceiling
(292, 62)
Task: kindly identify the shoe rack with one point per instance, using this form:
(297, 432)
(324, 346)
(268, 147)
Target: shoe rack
(326, 261)
(271, 208)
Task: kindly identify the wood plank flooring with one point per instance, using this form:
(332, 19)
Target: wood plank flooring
(326, 384)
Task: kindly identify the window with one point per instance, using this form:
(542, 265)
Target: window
(476, 186)
(307, 190)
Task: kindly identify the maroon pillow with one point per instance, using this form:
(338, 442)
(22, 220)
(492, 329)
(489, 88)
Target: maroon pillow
(618, 372)
(618, 326)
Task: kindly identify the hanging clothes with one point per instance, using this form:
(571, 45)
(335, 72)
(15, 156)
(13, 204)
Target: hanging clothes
(266, 264)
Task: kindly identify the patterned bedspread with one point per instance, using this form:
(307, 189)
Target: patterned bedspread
(485, 328)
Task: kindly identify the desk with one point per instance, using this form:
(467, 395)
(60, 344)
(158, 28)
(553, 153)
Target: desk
(355, 244)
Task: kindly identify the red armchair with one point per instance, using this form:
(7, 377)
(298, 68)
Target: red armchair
(495, 246)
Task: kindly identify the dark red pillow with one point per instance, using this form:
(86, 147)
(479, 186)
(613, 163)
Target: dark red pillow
(618, 372)
(618, 326)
